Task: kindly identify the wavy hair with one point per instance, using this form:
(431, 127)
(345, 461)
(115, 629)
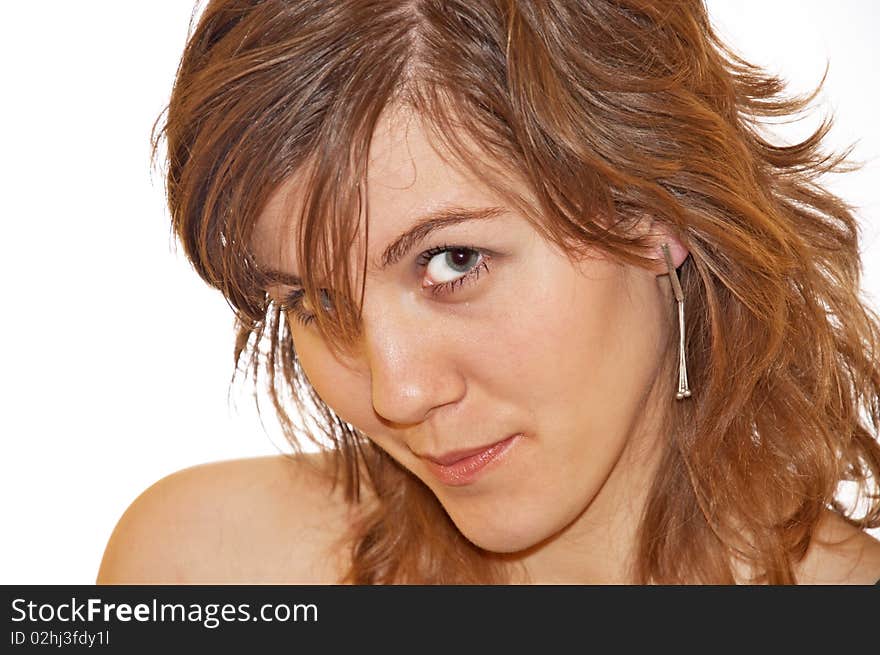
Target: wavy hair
(605, 112)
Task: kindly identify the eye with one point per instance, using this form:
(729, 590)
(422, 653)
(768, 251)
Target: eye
(448, 267)
(295, 303)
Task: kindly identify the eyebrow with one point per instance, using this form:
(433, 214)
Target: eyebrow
(427, 224)
(420, 230)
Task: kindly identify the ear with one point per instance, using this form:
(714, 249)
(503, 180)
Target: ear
(660, 234)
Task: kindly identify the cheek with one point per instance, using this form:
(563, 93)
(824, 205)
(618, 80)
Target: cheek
(580, 354)
(577, 364)
(342, 388)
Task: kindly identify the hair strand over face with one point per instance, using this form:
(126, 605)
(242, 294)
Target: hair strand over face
(606, 113)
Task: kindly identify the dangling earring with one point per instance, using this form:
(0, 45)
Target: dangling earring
(683, 390)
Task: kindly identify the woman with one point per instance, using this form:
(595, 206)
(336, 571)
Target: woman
(551, 304)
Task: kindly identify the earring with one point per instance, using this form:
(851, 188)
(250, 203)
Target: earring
(683, 390)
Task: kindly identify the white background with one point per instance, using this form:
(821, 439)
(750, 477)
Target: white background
(116, 358)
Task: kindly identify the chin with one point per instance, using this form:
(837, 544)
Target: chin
(504, 536)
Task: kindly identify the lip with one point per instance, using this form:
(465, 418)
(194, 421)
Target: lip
(461, 467)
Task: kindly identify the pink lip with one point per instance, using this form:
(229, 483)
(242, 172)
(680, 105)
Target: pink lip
(462, 467)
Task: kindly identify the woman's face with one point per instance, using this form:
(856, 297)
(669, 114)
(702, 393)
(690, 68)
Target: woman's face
(516, 341)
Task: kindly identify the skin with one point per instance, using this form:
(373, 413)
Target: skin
(570, 355)
(566, 354)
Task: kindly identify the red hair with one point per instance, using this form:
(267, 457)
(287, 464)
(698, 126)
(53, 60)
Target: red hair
(607, 112)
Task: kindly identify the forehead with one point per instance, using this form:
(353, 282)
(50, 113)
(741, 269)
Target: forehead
(409, 174)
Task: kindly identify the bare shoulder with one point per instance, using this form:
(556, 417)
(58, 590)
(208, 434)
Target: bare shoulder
(840, 553)
(274, 519)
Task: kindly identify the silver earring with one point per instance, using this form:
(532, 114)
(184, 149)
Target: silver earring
(683, 390)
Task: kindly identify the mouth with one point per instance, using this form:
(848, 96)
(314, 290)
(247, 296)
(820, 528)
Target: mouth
(461, 467)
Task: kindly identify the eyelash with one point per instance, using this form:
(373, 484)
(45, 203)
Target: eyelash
(292, 302)
(471, 276)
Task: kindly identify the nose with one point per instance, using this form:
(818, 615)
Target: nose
(411, 361)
